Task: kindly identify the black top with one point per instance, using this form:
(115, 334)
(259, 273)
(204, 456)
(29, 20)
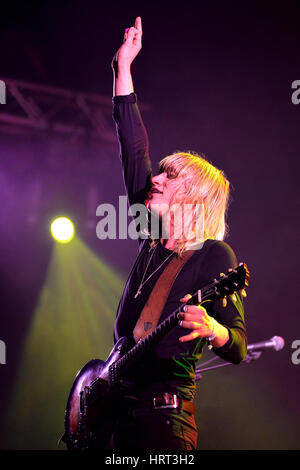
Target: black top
(169, 366)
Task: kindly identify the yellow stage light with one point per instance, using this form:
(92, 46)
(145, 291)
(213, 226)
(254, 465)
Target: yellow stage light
(62, 230)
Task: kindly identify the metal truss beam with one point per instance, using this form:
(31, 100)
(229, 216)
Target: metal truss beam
(33, 108)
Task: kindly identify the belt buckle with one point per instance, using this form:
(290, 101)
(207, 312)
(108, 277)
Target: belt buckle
(173, 405)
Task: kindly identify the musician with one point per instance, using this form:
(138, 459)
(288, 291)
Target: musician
(156, 409)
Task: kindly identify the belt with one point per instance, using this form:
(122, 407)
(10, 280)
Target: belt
(166, 400)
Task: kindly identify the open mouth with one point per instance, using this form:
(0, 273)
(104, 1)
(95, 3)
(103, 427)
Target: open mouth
(155, 191)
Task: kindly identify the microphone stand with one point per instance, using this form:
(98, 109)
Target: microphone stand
(253, 352)
(251, 356)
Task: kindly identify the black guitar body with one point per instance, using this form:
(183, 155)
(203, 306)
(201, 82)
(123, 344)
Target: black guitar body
(91, 404)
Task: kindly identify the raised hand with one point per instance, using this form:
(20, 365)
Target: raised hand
(131, 46)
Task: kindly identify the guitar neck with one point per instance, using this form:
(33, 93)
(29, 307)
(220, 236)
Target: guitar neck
(118, 367)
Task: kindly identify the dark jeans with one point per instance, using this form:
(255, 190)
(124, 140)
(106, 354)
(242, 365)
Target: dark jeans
(151, 429)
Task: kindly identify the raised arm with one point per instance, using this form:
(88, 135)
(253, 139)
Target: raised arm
(132, 135)
(123, 84)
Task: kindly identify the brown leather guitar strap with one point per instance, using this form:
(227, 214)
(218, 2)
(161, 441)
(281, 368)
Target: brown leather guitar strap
(157, 299)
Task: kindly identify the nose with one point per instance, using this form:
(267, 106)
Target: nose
(160, 178)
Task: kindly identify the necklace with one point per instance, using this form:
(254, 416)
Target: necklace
(138, 292)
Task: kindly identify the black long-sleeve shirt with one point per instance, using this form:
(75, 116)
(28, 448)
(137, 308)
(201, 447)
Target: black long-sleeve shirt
(170, 365)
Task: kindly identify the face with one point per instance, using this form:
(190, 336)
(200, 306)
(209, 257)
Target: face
(162, 192)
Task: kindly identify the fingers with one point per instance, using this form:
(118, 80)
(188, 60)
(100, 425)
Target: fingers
(190, 325)
(133, 37)
(194, 321)
(192, 317)
(195, 318)
(138, 24)
(134, 34)
(189, 337)
(192, 310)
(185, 298)
(129, 34)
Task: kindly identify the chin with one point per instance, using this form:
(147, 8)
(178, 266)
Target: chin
(158, 208)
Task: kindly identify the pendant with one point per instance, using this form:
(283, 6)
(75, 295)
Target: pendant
(137, 293)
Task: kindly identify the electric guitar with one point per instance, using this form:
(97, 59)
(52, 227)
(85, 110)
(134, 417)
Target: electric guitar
(91, 402)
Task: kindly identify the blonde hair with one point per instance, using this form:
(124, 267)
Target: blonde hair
(199, 182)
